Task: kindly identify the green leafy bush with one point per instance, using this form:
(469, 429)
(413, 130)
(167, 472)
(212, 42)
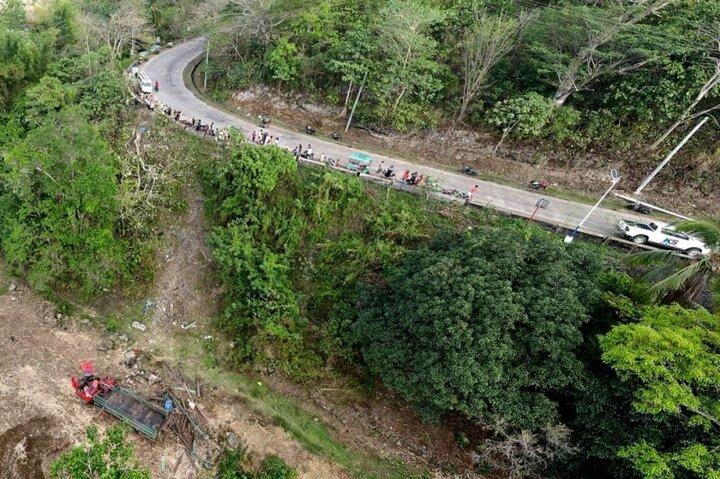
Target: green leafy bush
(47, 96)
(111, 456)
(274, 467)
(104, 95)
(234, 464)
(564, 126)
(525, 116)
(670, 358)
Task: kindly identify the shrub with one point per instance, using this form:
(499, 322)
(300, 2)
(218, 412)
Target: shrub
(525, 115)
(104, 94)
(274, 467)
(233, 464)
(47, 96)
(563, 127)
(108, 457)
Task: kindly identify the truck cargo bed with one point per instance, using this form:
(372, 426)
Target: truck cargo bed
(144, 417)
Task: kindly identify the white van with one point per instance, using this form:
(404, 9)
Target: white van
(146, 85)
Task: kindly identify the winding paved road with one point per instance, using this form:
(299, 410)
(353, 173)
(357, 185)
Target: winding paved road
(168, 67)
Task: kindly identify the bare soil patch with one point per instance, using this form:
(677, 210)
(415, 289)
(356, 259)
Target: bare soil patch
(180, 296)
(39, 413)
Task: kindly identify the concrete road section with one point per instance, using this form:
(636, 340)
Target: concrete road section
(168, 66)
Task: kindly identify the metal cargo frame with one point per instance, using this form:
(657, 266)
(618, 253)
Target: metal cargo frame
(144, 417)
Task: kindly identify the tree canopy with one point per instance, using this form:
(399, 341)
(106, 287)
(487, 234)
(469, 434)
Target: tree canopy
(59, 205)
(671, 359)
(483, 324)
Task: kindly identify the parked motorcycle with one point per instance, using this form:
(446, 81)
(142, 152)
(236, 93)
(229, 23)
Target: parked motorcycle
(309, 130)
(538, 185)
(469, 170)
(336, 136)
(264, 120)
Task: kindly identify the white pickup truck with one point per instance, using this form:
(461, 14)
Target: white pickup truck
(663, 235)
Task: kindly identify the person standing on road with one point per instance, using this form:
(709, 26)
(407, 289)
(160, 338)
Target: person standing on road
(380, 168)
(253, 137)
(471, 194)
(157, 86)
(309, 152)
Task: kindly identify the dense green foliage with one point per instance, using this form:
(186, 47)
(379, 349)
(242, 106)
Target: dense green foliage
(111, 456)
(577, 73)
(77, 205)
(60, 207)
(671, 356)
(483, 324)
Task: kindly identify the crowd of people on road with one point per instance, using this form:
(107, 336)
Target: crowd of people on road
(407, 178)
(264, 137)
(307, 153)
(193, 124)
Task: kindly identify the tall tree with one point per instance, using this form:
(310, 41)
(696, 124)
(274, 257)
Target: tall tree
(671, 359)
(407, 48)
(578, 44)
(487, 40)
(120, 27)
(709, 35)
(23, 57)
(59, 207)
(482, 324)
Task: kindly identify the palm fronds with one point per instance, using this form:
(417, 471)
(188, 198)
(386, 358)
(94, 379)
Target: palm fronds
(673, 277)
(706, 230)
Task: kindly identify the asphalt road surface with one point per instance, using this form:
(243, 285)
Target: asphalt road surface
(168, 66)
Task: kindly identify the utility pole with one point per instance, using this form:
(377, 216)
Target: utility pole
(207, 60)
(352, 112)
(615, 180)
(669, 156)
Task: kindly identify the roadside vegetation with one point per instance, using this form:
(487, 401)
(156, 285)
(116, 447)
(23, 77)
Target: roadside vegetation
(460, 312)
(569, 78)
(552, 360)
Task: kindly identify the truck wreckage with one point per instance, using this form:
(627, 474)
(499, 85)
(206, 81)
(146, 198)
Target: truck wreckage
(168, 411)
